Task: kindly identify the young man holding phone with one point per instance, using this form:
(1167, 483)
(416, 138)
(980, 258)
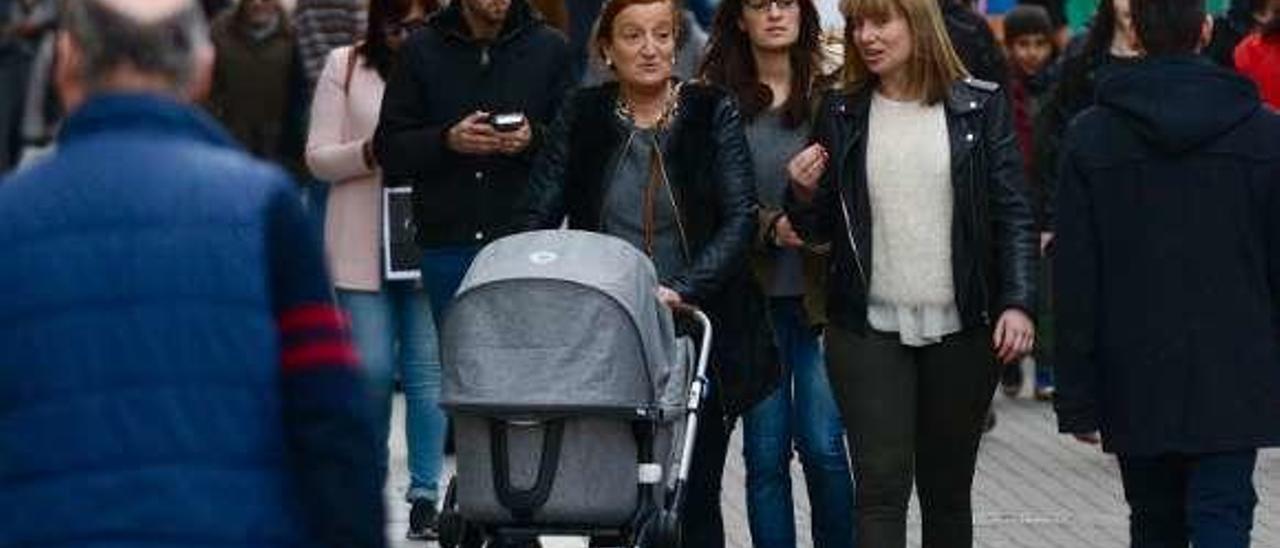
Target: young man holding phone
(461, 122)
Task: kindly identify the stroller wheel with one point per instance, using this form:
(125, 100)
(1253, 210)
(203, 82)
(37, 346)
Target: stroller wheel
(455, 532)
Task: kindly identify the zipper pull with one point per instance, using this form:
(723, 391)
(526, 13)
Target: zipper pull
(484, 57)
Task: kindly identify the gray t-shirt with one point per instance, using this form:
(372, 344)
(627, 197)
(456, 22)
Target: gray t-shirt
(624, 203)
(772, 146)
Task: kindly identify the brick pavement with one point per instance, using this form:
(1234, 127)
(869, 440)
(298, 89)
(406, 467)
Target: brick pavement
(1035, 489)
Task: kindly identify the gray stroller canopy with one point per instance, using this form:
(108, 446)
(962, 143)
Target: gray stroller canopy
(560, 321)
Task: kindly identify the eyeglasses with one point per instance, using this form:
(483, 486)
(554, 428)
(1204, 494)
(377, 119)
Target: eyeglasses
(763, 5)
(405, 28)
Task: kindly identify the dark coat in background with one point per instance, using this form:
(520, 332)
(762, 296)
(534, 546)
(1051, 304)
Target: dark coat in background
(1168, 264)
(1077, 73)
(256, 85)
(442, 77)
(975, 42)
(709, 167)
(1229, 29)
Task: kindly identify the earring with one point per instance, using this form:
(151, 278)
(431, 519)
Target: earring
(608, 62)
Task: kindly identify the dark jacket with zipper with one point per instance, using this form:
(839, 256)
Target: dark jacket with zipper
(708, 165)
(993, 246)
(444, 75)
(1168, 263)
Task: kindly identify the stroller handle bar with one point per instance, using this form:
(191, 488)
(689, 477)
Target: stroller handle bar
(704, 322)
(696, 392)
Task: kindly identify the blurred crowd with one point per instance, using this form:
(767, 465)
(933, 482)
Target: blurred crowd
(748, 147)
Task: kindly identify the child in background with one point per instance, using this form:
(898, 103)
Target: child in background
(1258, 56)
(1029, 43)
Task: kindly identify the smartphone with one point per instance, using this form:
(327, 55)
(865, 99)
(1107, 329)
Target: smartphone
(506, 123)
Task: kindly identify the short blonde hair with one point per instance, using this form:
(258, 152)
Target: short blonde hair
(934, 63)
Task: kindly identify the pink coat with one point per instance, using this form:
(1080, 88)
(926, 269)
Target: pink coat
(343, 117)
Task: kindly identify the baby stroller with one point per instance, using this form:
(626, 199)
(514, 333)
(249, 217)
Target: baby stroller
(574, 404)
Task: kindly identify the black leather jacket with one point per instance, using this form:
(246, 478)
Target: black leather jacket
(993, 243)
(708, 165)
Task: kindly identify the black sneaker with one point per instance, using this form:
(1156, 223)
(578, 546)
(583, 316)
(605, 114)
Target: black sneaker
(422, 521)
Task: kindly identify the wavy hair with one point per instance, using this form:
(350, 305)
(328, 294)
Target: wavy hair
(730, 63)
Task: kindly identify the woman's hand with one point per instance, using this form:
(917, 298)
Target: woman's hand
(669, 297)
(805, 170)
(1014, 337)
(784, 235)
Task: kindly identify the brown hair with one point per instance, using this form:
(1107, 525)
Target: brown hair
(609, 13)
(730, 63)
(934, 63)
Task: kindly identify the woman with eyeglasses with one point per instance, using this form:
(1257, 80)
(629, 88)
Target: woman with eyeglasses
(916, 182)
(390, 320)
(767, 53)
(664, 165)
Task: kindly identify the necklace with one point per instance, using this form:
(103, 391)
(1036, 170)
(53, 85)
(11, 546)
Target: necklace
(671, 103)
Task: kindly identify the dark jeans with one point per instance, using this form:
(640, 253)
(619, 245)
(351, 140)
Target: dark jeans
(800, 416)
(1203, 500)
(702, 521)
(1044, 326)
(442, 272)
(913, 415)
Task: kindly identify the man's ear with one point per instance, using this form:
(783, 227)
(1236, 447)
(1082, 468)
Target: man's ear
(68, 72)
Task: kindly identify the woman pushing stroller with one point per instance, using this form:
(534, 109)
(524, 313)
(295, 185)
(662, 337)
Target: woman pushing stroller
(665, 166)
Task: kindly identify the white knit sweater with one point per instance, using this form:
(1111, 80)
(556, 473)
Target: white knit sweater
(909, 182)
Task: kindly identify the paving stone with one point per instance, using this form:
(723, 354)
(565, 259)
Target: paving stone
(1034, 489)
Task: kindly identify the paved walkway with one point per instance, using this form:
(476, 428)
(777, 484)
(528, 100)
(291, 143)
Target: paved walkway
(1035, 489)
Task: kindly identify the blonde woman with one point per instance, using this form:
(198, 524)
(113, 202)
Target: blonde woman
(917, 183)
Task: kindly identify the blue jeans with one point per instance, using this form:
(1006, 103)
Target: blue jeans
(803, 411)
(394, 333)
(1203, 500)
(442, 273)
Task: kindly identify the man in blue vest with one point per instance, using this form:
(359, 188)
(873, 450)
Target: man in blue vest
(172, 369)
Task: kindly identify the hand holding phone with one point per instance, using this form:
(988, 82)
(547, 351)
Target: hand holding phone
(506, 122)
(513, 131)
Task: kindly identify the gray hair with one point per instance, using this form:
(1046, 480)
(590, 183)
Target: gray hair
(110, 39)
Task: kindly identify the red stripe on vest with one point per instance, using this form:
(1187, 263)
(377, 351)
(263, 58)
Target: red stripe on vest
(319, 355)
(313, 316)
